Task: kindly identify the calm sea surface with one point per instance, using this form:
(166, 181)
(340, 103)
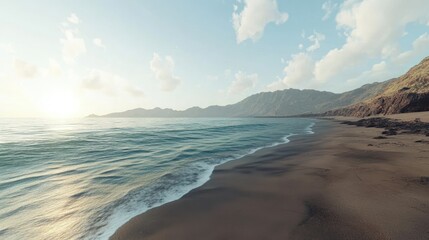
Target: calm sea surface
(82, 179)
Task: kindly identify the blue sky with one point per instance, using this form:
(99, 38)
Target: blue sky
(73, 58)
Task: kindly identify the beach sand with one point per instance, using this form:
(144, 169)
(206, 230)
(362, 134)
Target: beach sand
(339, 183)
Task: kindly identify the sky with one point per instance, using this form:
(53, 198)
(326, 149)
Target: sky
(75, 58)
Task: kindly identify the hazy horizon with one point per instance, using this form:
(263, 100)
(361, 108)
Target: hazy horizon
(216, 119)
(72, 59)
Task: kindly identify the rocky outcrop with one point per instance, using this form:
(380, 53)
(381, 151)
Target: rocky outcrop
(397, 103)
(409, 93)
(393, 126)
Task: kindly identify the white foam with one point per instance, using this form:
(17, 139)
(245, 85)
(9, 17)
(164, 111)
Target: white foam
(309, 129)
(121, 216)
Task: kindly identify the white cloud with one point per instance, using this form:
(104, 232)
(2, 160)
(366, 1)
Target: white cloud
(163, 69)
(73, 19)
(277, 85)
(372, 29)
(328, 7)
(421, 42)
(379, 67)
(315, 38)
(73, 46)
(256, 14)
(134, 91)
(298, 73)
(108, 83)
(242, 82)
(94, 80)
(299, 70)
(379, 72)
(24, 69)
(420, 46)
(376, 71)
(97, 42)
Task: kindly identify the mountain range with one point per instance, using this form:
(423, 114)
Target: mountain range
(407, 93)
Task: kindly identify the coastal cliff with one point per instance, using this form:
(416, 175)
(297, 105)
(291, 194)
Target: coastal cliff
(409, 93)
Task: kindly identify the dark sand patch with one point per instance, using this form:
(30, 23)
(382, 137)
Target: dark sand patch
(340, 183)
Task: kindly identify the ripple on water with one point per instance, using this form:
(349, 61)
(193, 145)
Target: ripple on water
(83, 179)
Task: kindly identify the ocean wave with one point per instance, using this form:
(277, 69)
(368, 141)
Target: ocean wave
(84, 180)
(168, 188)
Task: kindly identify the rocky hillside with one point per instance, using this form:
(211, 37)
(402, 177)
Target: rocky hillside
(279, 103)
(409, 93)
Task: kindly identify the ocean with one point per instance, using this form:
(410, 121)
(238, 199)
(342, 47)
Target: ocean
(84, 178)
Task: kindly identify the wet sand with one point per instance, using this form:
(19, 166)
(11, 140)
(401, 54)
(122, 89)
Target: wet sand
(339, 183)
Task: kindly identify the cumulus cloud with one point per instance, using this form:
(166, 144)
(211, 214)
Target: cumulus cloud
(419, 46)
(372, 29)
(328, 7)
(378, 72)
(163, 70)
(315, 38)
(299, 69)
(298, 72)
(379, 67)
(256, 14)
(24, 69)
(99, 43)
(108, 83)
(242, 82)
(73, 46)
(73, 19)
(277, 85)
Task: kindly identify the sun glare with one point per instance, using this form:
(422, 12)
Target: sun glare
(59, 105)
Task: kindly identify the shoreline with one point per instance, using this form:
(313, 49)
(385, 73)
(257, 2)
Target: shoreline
(309, 188)
(109, 230)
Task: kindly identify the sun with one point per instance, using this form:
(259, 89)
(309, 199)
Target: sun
(59, 105)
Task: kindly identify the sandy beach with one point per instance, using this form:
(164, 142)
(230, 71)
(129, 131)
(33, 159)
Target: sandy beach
(339, 183)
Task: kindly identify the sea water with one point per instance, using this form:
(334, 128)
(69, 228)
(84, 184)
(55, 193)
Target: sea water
(84, 178)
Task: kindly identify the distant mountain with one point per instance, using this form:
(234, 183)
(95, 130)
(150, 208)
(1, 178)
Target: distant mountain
(279, 103)
(140, 112)
(408, 93)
